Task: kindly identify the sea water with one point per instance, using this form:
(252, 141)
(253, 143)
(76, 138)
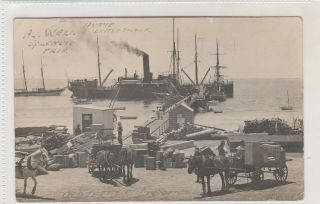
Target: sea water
(253, 99)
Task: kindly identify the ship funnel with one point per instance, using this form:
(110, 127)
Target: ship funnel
(147, 75)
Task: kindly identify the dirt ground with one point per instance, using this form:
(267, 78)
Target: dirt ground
(171, 185)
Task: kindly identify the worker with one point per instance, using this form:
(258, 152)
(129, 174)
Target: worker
(120, 129)
(221, 150)
(77, 131)
(197, 153)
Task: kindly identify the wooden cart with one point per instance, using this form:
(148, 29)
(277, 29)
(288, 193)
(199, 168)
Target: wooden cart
(92, 157)
(277, 167)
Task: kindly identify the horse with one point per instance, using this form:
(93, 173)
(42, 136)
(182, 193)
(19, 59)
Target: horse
(126, 160)
(105, 162)
(206, 166)
(34, 162)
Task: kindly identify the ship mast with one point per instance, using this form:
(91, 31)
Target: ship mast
(43, 84)
(24, 73)
(99, 62)
(218, 68)
(196, 58)
(178, 59)
(173, 52)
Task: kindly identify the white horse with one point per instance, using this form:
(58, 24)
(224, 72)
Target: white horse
(34, 162)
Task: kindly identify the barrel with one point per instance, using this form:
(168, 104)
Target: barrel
(168, 163)
(145, 160)
(177, 160)
(139, 157)
(159, 155)
(82, 158)
(150, 163)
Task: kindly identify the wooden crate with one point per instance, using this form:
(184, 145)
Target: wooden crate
(150, 163)
(139, 157)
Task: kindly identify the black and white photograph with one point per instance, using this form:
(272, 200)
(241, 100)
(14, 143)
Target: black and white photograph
(158, 108)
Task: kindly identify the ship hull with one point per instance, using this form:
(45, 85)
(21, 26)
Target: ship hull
(129, 90)
(91, 93)
(141, 90)
(55, 92)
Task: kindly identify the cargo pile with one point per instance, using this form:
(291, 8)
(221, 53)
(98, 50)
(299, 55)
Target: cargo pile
(184, 133)
(78, 159)
(274, 126)
(160, 159)
(140, 133)
(28, 139)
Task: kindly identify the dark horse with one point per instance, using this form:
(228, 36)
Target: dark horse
(210, 165)
(126, 161)
(105, 162)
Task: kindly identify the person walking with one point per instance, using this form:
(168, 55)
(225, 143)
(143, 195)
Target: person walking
(120, 129)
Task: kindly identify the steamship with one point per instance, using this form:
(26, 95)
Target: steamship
(137, 88)
(126, 88)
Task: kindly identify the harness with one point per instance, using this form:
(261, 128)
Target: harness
(29, 166)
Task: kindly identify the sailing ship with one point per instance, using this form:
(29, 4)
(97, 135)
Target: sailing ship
(147, 87)
(36, 91)
(288, 106)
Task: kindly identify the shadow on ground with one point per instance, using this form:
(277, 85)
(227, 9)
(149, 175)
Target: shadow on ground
(214, 194)
(29, 196)
(116, 179)
(265, 184)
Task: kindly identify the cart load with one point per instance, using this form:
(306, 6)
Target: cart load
(254, 159)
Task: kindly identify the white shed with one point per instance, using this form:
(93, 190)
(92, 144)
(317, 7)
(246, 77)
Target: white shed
(86, 115)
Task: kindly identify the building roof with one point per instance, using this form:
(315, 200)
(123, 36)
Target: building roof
(92, 107)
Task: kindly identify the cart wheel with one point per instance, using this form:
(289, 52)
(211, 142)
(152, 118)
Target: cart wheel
(281, 173)
(257, 176)
(232, 178)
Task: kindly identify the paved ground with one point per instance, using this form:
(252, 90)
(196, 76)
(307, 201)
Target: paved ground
(173, 184)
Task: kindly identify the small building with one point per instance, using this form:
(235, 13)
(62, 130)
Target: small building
(88, 115)
(179, 115)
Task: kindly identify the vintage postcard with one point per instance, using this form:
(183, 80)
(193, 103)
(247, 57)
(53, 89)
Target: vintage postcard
(158, 109)
(129, 102)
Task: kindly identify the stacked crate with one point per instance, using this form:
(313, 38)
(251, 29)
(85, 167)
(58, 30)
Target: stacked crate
(82, 158)
(139, 157)
(140, 133)
(62, 159)
(150, 163)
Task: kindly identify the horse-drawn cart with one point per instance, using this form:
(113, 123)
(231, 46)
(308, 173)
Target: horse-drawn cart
(92, 157)
(266, 158)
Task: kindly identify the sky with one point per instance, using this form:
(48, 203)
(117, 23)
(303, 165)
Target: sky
(251, 47)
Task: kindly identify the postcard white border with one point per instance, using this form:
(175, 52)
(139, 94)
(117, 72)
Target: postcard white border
(308, 11)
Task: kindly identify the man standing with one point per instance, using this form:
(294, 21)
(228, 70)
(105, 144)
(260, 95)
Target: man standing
(120, 129)
(221, 150)
(77, 131)
(197, 153)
